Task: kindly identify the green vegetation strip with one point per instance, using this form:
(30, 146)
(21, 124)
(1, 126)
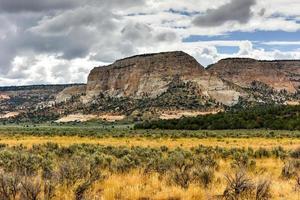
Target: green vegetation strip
(261, 117)
(109, 131)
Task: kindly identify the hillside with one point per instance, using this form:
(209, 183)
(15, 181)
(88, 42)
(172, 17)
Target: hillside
(157, 85)
(19, 99)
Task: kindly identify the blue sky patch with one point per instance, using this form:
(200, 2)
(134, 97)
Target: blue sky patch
(227, 50)
(183, 12)
(261, 36)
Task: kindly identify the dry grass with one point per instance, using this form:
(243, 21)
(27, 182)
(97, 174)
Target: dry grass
(137, 186)
(255, 143)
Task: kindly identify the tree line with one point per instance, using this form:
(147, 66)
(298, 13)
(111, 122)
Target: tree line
(275, 117)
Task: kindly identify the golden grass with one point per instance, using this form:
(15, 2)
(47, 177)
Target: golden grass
(137, 186)
(255, 143)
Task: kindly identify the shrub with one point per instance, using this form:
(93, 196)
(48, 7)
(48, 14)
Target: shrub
(72, 170)
(263, 190)
(49, 189)
(203, 176)
(296, 153)
(242, 161)
(81, 189)
(289, 170)
(261, 153)
(238, 186)
(30, 189)
(124, 164)
(181, 164)
(9, 186)
(182, 176)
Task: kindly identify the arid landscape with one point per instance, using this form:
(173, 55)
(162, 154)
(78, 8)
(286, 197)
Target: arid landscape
(120, 163)
(168, 130)
(149, 100)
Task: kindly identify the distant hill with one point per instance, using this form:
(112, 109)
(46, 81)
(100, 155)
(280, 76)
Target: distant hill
(38, 87)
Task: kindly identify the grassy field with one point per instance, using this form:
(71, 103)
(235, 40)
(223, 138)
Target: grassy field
(92, 162)
(185, 143)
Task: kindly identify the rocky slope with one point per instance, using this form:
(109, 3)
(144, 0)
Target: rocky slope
(16, 99)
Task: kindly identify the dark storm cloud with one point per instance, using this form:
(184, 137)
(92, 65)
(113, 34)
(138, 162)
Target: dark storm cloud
(27, 26)
(15, 6)
(235, 10)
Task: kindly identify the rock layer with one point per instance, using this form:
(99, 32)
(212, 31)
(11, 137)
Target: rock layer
(150, 75)
(144, 75)
(279, 75)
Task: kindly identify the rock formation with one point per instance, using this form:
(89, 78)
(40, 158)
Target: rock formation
(149, 76)
(153, 85)
(143, 75)
(70, 92)
(279, 75)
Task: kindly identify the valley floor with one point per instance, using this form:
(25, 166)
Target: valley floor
(185, 143)
(260, 155)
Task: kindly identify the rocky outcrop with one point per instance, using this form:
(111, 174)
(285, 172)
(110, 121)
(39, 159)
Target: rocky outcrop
(70, 92)
(226, 82)
(152, 85)
(142, 76)
(279, 75)
(149, 75)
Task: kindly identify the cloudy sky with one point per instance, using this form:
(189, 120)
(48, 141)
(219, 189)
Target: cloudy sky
(60, 41)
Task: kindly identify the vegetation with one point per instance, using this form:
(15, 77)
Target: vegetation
(116, 162)
(261, 117)
(126, 130)
(83, 171)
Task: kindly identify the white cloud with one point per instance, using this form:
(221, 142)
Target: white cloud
(58, 42)
(279, 43)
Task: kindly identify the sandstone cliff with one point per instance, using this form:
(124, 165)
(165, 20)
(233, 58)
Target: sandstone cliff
(148, 76)
(144, 75)
(279, 75)
(168, 82)
(159, 85)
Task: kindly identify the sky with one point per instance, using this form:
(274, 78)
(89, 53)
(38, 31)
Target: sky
(60, 41)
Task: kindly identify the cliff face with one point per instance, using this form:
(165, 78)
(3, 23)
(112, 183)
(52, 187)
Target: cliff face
(150, 76)
(279, 75)
(152, 85)
(226, 82)
(143, 75)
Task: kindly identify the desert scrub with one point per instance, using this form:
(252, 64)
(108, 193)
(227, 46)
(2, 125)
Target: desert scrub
(86, 171)
(290, 169)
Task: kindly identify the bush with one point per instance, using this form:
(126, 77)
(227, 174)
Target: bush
(263, 190)
(203, 176)
(289, 170)
(242, 161)
(238, 186)
(296, 153)
(30, 189)
(9, 186)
